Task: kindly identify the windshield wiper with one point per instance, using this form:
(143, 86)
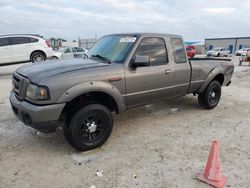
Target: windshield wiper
(102, 57)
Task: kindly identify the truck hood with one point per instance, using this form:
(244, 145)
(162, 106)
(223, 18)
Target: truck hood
(38, 71)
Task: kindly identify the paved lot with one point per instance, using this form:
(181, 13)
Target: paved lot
(163, 148)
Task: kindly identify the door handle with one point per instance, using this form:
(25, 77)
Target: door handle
(168, 71)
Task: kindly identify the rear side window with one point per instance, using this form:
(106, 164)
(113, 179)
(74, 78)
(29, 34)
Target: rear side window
(155, 49)
(5, 41)
(79, 50)
(178, 50)
(75, 49)
(20, 40)
(32, 40)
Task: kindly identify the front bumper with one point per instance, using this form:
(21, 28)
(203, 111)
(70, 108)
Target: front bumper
(42, 118)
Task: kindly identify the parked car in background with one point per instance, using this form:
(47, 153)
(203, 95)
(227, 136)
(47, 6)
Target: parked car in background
(70, 52)
(245, 58)
(21, 48)
(242, 51)
(191, 52)
(217, 52)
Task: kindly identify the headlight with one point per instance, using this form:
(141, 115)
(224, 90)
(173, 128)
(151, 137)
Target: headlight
(37, 92)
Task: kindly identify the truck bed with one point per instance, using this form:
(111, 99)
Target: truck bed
(201, 68)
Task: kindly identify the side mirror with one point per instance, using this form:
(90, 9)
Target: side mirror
(140, 61)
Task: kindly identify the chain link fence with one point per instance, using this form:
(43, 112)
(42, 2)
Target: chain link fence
(87, 43)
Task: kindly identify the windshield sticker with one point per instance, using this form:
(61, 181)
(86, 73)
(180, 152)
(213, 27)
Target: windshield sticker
(128, 39)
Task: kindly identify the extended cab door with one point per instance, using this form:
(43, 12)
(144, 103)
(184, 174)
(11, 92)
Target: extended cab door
(181, 67)
(145, 84)
(5, 50)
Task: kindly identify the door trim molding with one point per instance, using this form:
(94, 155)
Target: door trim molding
(153, 90)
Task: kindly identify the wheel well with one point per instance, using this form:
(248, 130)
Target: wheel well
(220, 78)
(88, 98)
(37, 51)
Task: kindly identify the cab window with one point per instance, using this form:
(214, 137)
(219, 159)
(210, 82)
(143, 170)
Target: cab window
(178, 50)
(155, 49)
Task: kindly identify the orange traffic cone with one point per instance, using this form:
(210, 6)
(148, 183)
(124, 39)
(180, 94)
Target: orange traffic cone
(212, 173)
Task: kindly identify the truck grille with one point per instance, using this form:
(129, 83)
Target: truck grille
(19, 85)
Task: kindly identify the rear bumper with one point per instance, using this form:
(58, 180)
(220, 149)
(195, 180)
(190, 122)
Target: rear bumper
(42, 118)
(49, 52)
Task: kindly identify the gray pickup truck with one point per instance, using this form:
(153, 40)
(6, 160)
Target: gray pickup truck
(121, 71)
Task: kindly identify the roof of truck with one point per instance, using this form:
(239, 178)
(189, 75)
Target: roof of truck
(150, 34)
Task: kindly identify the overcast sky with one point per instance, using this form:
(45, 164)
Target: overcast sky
(195, 19)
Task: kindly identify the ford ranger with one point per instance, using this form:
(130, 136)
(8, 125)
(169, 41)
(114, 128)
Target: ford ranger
(121, 71)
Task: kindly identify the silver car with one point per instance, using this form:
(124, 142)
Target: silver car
(242, 52)
(218, 52)
(70, 52)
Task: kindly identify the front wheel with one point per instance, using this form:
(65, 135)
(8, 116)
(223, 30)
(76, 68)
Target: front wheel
(211, 96)
(90, 127)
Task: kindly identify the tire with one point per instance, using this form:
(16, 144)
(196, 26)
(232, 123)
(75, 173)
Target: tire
(218, 55)
(211, 96)
(37, 57)
(55, 57)
(89, 127)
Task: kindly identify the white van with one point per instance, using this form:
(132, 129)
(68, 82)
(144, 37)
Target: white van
(21, 48)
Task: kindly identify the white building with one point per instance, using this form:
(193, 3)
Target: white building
(233, 44)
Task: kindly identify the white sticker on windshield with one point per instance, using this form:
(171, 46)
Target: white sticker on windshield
(128, 39)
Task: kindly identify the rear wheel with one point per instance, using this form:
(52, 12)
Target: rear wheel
(37, 57)
(89, 127)
(211, 96)
(55, 57)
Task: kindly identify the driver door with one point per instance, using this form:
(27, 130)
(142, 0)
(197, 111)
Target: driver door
(145, 84)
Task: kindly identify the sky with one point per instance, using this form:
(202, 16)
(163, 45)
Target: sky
(194, 20)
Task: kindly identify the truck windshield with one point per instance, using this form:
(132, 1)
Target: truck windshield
(113, 47)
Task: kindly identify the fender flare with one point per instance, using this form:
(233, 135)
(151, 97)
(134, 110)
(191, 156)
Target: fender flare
(93, 86)
(216, 71)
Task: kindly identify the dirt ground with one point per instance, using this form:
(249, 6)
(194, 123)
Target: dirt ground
(151, 146)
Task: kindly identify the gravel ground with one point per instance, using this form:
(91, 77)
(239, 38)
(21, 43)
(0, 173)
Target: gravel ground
(151, 146)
